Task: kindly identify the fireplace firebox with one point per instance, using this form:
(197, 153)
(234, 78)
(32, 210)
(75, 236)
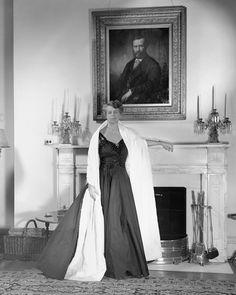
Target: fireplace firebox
(171, 212)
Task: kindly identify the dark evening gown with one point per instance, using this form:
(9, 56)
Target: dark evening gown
(124, 251)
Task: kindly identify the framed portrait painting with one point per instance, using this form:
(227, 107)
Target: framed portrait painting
(139, 58)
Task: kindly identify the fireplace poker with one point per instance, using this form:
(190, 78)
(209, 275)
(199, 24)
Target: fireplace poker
(193, 209)
(201, 253)
(212, 252)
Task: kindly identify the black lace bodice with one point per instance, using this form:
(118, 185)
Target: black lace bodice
(110, 153)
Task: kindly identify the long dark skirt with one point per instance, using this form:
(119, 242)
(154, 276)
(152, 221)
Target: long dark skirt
(124, 252)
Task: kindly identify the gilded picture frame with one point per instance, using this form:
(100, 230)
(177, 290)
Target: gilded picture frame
(164, 29)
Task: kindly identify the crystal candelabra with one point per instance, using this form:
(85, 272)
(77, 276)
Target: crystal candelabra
(66, 130)
(213, 123)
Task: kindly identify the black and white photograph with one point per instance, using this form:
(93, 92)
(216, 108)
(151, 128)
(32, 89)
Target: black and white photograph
(117, 147)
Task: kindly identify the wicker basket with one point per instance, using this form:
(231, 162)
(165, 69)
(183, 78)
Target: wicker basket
(24, 247)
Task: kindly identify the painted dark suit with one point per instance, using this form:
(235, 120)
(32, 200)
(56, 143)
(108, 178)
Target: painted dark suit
(143, 81)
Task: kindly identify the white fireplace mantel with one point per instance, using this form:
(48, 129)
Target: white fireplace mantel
(186, 161)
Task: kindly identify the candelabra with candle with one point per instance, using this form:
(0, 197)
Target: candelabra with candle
(63, 129)
(213, 122)
(66, 131)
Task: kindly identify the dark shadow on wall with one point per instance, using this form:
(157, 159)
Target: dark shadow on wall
(8, 110)
(9, 204)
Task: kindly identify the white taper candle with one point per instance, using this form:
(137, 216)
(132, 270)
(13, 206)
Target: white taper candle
(197, 107)
(213, 98)
(225, 105)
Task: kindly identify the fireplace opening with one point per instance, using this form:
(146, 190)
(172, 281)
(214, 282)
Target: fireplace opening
(171, 212)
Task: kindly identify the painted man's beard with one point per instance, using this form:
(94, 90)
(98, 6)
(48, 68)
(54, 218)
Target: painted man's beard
(139, 55)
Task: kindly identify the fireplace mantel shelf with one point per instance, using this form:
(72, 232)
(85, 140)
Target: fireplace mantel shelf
(195, 145)
(151, 145)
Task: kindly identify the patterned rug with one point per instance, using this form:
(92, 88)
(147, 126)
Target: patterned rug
(30, 282)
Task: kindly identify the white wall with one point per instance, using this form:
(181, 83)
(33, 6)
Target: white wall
(52, 51)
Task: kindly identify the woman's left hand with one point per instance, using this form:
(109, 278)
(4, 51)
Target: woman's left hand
(167, 146)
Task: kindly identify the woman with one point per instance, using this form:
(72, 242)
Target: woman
(111, 228)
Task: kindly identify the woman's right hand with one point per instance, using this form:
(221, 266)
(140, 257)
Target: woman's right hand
(92, 191)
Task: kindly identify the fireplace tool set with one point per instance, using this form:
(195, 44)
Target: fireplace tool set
(199, 253)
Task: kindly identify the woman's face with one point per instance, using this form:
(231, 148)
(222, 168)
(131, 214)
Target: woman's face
(113, 115)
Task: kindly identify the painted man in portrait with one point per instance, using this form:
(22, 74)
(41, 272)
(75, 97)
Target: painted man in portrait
(139, 83)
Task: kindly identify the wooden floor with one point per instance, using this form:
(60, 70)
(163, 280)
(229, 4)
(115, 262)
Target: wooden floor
(22, 265)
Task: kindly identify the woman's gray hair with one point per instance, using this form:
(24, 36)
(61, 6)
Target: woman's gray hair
(116, 104)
